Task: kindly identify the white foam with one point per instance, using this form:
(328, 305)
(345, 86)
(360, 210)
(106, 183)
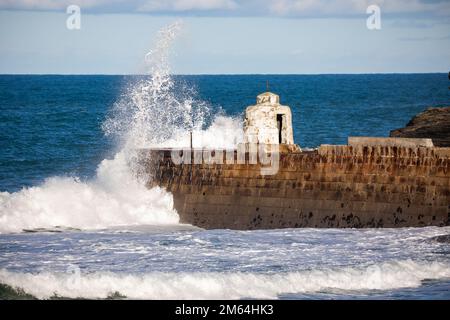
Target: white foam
(223, 133)
(153, 112)
(114, 197)
(156, 109)
(386, 276)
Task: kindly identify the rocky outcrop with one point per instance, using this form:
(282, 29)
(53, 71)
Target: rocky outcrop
(442, 239)
(433, 123)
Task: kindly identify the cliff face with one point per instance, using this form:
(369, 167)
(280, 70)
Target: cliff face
(433, 123)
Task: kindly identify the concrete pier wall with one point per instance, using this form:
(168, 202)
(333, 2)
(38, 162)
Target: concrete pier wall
(334, 186)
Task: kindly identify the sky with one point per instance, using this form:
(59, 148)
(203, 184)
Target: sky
(226, 36)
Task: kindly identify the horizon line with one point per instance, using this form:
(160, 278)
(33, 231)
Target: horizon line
(222, 74)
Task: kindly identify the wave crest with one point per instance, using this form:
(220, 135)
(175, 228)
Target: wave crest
(209, 285)
(113, 198)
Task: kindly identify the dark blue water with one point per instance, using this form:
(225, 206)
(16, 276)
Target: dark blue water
(51, 125)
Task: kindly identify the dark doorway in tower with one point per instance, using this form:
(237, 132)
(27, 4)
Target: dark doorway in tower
(279, 126)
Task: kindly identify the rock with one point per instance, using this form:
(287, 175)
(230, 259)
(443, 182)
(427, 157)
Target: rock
(442, 239)
(11, 293)
(432, 123)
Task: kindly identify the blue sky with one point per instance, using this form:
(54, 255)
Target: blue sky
(227, 36)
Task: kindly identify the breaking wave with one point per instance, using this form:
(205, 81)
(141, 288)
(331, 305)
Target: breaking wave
(385, 276)
(153, 111)
(113, 198)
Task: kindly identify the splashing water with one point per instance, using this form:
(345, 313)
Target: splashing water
(154, 111)
(158, 111)
(112, 198)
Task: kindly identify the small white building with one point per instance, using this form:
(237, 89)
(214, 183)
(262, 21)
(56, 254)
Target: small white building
(268, 121)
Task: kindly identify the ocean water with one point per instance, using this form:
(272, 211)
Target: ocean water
(76, 220)
(186, 263)
(129, 242)
(52, 125)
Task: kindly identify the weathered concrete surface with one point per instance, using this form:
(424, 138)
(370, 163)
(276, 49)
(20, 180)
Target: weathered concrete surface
(335, 186)
(390, 142)
(433, 123)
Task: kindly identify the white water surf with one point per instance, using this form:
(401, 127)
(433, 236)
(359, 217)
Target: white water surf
(207, 285)
(153, 112)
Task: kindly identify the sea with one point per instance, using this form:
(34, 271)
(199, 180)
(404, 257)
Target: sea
(76, 220)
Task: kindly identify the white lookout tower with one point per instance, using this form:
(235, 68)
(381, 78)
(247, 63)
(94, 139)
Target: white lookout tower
(268, 121)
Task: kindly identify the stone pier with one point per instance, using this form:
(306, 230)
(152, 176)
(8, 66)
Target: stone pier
(339, 186)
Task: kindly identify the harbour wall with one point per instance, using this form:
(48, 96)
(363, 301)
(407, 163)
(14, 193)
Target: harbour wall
(343, 186)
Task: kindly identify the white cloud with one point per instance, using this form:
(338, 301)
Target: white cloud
(352, 7)
(282, 8)
(187, 5)
(53, 4)
(130, 5)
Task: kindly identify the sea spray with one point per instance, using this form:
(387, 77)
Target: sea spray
(155, 108)
(153, 111)
(114, 196)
